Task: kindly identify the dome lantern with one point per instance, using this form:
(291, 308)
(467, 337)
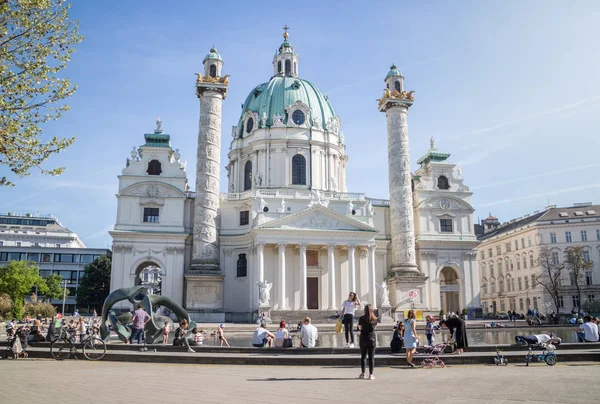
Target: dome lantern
(394, 80)
(285, 62)
(213, 63)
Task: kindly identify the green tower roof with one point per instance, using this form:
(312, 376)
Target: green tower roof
(212, 55)
(393, 72)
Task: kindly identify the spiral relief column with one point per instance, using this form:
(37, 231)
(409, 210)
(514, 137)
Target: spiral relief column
(406, 275)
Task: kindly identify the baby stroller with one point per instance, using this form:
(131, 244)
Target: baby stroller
(17, 344)
(433, 353)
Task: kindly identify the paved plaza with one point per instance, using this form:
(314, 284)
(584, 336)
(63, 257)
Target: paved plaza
(27, 381)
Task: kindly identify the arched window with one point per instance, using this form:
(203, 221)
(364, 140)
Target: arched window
(248, 176)
(397, 85)
(242, 266)
(288, 67)
(213, 71)
(249, 125)
(279, 67)
(442, 182)
(298, 170)
(154, 168)
(298, 117)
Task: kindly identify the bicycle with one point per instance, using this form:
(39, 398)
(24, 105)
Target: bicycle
(64, 346)
(547, 355)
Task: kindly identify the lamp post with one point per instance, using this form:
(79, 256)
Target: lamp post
(65, 281)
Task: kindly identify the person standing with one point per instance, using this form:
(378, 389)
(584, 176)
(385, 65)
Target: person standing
(139, 320)
(308, 334)
(430, 330)
(347, 313)
(458, 329)
(411, 338)
(221, 335)
(367, 341)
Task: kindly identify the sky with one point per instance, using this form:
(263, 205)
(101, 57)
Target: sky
(511, 89)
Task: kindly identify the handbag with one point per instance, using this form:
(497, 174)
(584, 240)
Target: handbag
(338, 326)
(287, 343)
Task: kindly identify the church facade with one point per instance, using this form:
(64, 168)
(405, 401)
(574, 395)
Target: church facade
(288, 237)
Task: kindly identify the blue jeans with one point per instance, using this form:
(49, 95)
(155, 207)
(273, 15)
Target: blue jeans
(136, 333)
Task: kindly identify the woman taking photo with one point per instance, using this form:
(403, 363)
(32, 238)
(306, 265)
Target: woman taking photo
(347, 313)
(411, 339)
(367, 341)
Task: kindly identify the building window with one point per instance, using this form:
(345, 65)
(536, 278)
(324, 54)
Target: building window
(244, 217)
(298, 170)
(561, 302)
(151, 215)
(524, 261)
(535, 300)
(57, 245)
(242, 266)
(598, 235)
(35, 257)
(506, 264)
(531, 263)
(591, 298)
(533, 282)
(482, 254)
(507, 245)
(46, 257)
(397, 85)
(213, 71)
(516, 245)
(442, 182)
(248, 175)
(526, 282)
(491, 269)
(588, 279)
(586, 256)
(555, 259)
(575, 301)
(500, 267)
(446, 225)
(528, 241)
(288, 67)
(279, 67)
(312, 258)
(86, 258)
(154, 168)
(489, 253)
(522, 243)
(298, 117)
(520, 284)
(568, 237)
(553, 238)
(18, 244)
(498, 250)
(521, 304)
(249, 125)
(583, 235)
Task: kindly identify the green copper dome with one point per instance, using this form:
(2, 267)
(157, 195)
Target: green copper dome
(272, 98)
(212, 55)
(393, 72)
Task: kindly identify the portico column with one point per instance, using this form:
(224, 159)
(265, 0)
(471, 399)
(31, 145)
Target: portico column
(261, 262)
(332, 302)
(303, 276)
(282, 247)
(351, 268)
(372, 284)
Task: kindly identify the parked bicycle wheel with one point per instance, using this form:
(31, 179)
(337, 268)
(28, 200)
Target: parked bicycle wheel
(551, 360)
(61, 349)
(94, 349)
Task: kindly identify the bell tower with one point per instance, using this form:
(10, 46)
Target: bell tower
(285, 61)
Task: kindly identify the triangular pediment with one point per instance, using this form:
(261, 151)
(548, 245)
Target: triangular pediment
(318, 218)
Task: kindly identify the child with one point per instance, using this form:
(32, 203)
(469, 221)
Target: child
(221, 335)
(166, 331)
(198, 336)
(429, 330)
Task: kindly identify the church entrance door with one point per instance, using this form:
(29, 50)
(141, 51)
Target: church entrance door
(312, 293)
(450, 290)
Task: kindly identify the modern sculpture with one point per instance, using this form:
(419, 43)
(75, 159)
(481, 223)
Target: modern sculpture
(139, 295)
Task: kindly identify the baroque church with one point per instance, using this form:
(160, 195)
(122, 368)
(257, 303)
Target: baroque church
(288, 238)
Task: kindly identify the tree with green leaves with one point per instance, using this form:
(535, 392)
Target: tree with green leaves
(94, 285)
(55, 288)
(17, 279)
(36, 42)
(577, 266)
(550, 275)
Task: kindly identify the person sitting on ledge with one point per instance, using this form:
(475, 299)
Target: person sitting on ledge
(308, 334)
(589, 330)
(198, 336)
(262, 337)
(180, 335)
(281, 335)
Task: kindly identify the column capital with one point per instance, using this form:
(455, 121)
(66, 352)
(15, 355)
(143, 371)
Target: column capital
(260, 245)
(302, 247)
(281, 246)
(372, 247)
(331, 247)
(351, 247)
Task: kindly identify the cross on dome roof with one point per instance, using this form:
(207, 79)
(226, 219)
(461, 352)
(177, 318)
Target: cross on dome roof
(285, 33)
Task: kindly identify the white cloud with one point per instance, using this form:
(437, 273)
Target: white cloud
(543, 194)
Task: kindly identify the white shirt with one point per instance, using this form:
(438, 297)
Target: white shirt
(259, 335)
(591, 331)
(348, 307)
(542, 338)
(309, 335)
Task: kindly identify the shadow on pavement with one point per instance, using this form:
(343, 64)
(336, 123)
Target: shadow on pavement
(288, 379)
